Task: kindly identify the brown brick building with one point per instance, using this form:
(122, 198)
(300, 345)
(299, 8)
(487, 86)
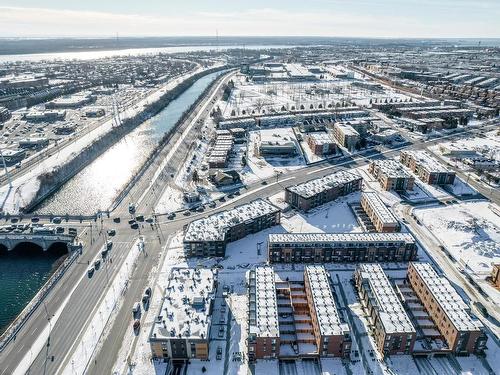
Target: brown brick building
(393, 330)
(341, 247)
(448, 311)
(314, 193)
(294, 318)
(391, 175)
(427, 168)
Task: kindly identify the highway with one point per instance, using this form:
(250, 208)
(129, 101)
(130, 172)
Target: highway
(80, 294)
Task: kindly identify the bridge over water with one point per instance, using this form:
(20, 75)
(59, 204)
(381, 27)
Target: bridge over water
(11, 240)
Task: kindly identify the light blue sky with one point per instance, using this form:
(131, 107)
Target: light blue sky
(363, 18)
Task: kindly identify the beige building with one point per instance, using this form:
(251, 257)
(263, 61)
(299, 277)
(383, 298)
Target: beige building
(346, 135)
(381, 217)
(182, 328)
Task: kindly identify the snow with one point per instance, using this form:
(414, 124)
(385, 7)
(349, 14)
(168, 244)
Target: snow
(469, 230)
(262, 167)
(332, 366)
(25, 187)
(171, 200)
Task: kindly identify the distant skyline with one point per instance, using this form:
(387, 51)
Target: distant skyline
(330, 18)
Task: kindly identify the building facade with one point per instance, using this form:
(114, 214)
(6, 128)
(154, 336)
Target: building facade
(427, 168)
(391, 175)
(341, 247)
(450, 314)
(314, 193)
(209, 236)
(495, 275)
(291, 319)
(346, 135)
(393, 330)
(321, 144)
(182, 328)
(381, 217)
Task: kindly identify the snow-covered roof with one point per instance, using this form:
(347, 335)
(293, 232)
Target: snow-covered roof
(321, 138)
(185, 308)
(426, 161)
(312, 187)
(346, 129)
(391, 313)
(266, 305)
(380, 209)
(214, 227)
(338, 238)
(392, 168)
(447, 297)
(324, 304)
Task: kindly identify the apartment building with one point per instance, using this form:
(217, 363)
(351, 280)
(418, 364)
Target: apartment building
(209, 236)
(391, 175)
(181, 329)
(316, 192)
(381, 217)
(393, 330)
(291, 319)
(427, 168)
(341, 247)
(321, 143)
(346, 135)
(449, 313)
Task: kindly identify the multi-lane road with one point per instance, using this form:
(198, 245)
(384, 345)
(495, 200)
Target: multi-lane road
(71, 303)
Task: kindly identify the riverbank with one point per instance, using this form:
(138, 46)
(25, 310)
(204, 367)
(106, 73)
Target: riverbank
(51, 181)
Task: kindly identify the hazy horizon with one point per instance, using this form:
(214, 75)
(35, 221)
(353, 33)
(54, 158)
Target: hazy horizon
(318, 18)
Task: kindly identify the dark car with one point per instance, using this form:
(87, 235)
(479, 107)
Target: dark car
(134, 226)
(116, 219)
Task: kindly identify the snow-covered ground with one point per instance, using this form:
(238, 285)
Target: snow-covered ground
(262, 167)
(25, 187)
(249, 97)
(469, 230)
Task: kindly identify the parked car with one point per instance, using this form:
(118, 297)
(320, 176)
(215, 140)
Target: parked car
(90, 271)
(136, 308)
(57, 220)
(111, 232)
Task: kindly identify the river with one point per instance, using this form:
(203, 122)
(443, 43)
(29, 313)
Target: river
(91, 55)
(95, 187)
(23, 271)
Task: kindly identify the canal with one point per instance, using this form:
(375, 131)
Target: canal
(95, 187)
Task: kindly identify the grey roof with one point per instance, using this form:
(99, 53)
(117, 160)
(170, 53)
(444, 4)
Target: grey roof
(312, 187)
(390, 310)
(447, 297)
(340, 238)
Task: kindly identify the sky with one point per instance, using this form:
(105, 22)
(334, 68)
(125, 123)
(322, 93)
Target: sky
(342, 18)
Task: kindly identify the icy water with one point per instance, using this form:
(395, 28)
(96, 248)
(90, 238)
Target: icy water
(22, 273)
(90, 55)
(95, 187)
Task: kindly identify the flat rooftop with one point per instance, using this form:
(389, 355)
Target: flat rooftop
(338, 238)
(312, 187)
(447, 297)
(392, 168)
(185, 308)
(347, 129)
(383, 213)
(266, 306)
(214, 227)
(324, 303)
(390, 310)
(427, 161)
